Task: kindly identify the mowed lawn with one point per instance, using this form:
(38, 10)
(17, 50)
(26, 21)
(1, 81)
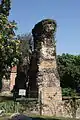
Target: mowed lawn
(4, 118)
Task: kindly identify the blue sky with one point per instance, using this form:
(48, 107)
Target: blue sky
(66, 13)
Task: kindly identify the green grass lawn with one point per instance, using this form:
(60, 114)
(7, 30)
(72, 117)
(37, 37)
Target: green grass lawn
(4, 118)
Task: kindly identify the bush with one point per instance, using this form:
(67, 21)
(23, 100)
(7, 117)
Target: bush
(69, 92)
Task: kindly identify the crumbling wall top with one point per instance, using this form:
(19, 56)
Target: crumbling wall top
(45, 27)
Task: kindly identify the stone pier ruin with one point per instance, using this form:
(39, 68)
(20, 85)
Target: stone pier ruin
(43, 71)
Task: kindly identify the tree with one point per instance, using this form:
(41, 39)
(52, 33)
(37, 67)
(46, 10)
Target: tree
(26, 45)
(9, 54)
(69, 71)
(25, 48)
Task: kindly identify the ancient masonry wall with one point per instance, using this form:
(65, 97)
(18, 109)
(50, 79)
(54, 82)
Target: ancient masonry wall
(47, 75)
(8, 85)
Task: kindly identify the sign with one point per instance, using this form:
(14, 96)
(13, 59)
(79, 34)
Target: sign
(22, 92)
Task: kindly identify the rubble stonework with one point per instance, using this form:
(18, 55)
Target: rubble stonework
(47, 75)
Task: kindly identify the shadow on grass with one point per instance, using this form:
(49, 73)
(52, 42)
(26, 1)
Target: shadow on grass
(24, 117)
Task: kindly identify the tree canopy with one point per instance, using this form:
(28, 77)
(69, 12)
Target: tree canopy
(69, 71)
(9, 46)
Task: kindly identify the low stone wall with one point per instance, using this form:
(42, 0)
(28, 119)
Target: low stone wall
(71, 107)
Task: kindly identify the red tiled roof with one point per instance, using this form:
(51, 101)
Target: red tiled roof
(14, 69)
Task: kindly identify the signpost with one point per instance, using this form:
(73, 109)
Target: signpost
(21, 99)
(22, 92)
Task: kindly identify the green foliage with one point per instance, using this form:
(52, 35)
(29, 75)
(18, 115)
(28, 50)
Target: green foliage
(68, 92)
(69, 71)
(8, 106)
(25, 46)
(8, 45)
(5, 7)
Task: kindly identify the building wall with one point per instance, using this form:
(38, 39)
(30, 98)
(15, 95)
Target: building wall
(7, 85)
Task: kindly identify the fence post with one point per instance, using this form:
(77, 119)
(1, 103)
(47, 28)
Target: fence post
(74, 107)
(40, 103)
